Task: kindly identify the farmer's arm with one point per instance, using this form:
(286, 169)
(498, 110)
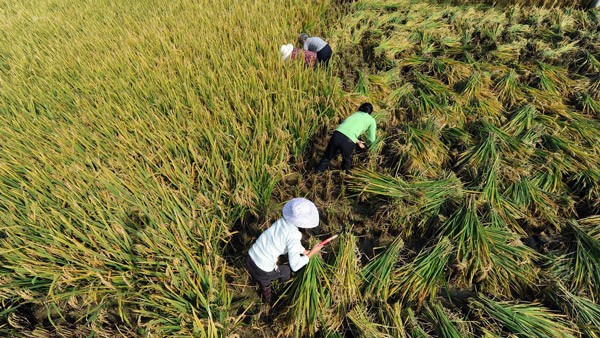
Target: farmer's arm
(313, 251)
(372, 132)
(296, 253)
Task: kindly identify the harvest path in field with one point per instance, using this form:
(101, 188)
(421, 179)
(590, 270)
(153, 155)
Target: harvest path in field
(486, 181)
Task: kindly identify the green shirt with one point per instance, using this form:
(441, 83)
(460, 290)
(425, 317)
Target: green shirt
(356, 124)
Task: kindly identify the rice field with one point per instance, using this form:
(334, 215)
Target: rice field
(145, 145)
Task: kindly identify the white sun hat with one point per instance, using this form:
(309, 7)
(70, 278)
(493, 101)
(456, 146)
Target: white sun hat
(301, 213)
(286, 51)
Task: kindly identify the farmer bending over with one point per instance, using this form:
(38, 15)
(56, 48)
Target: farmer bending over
(345, 137)
(317, 45)
(280, 238)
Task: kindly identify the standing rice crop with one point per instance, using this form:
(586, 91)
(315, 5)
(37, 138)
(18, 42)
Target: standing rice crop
(135, 136)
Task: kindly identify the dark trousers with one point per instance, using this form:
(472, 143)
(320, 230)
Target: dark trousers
(282, 272)
(324, 55)
(337, 143)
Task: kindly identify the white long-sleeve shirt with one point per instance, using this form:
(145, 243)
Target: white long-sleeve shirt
(280, 238)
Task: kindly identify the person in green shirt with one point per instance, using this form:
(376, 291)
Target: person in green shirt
(345, 137)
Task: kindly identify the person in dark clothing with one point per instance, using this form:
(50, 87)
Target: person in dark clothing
(317, 45)
(345, 138)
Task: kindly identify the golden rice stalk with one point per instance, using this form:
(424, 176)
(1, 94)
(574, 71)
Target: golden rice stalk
(419, 279)
(345, 272)
(364, 324)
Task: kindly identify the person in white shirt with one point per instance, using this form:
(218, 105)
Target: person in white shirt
(282, 237)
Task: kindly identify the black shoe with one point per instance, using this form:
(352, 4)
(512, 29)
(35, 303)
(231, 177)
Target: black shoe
(320, 168)
(266, 295)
